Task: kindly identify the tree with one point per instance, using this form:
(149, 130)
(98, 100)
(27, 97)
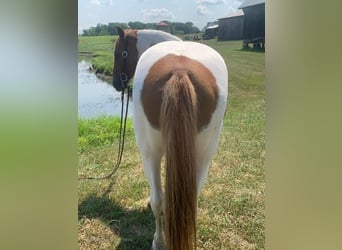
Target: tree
(137, 25)
(110, 28)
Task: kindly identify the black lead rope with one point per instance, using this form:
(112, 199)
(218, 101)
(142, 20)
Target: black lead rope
(122, 132)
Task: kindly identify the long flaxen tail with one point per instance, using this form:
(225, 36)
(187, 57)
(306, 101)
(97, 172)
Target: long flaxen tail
(178, 120)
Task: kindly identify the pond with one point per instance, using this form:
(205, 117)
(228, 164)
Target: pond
(96, 97)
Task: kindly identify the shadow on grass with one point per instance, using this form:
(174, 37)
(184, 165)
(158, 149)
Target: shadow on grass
(134, 227)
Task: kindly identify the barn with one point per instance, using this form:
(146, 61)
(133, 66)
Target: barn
(254, 23)
(163, 26)
(211, 31)
(231, 27)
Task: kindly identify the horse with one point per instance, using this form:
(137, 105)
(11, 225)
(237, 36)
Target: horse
(180, 92)
(137, 41)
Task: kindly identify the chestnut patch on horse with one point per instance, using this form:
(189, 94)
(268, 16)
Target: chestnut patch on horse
(170, 65)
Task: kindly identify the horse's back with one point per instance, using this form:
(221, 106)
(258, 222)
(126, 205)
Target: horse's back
(193, 50)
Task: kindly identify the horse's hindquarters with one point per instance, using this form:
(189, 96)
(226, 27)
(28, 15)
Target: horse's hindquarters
(179, 94)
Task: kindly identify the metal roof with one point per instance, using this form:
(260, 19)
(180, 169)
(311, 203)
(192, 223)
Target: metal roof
(234, 14)
(162, 24)
(249, 3)
(212, 27)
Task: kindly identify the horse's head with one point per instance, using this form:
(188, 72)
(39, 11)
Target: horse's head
(125, 58)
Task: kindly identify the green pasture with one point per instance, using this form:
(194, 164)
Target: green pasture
(113, 213)
(101, 49)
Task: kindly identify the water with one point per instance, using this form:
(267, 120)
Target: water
(95, 96)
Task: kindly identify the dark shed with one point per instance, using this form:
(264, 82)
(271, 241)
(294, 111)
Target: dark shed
(254, 22)
(231, 27)
(211, 31)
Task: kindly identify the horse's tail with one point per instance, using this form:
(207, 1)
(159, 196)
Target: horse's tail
(178, 122)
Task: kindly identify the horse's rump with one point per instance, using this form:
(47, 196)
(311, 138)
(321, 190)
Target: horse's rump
(199, 77)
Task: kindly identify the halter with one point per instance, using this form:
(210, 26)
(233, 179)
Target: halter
(123, 75)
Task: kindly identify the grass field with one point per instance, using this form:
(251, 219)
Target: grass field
(101, 48)
(113, 214)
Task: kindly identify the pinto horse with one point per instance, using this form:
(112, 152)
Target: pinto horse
(180, 93)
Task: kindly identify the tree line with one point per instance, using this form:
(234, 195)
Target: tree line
(176, 28)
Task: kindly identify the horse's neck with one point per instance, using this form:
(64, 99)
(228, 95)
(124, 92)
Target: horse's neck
(148, 38)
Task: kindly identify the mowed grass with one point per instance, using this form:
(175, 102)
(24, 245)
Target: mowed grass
(113, 213)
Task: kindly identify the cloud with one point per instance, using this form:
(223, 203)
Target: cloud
(101, 2)
(96, 2)
(209, 2)
(202, 10)
(202, 7)
(156, 14)
(233, 6)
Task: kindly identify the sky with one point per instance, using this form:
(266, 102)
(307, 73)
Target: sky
(199, 12)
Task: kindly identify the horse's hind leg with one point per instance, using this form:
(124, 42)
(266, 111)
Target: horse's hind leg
(151, 163)
(206, 148)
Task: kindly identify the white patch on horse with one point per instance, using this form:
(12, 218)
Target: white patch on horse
(148, 38)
